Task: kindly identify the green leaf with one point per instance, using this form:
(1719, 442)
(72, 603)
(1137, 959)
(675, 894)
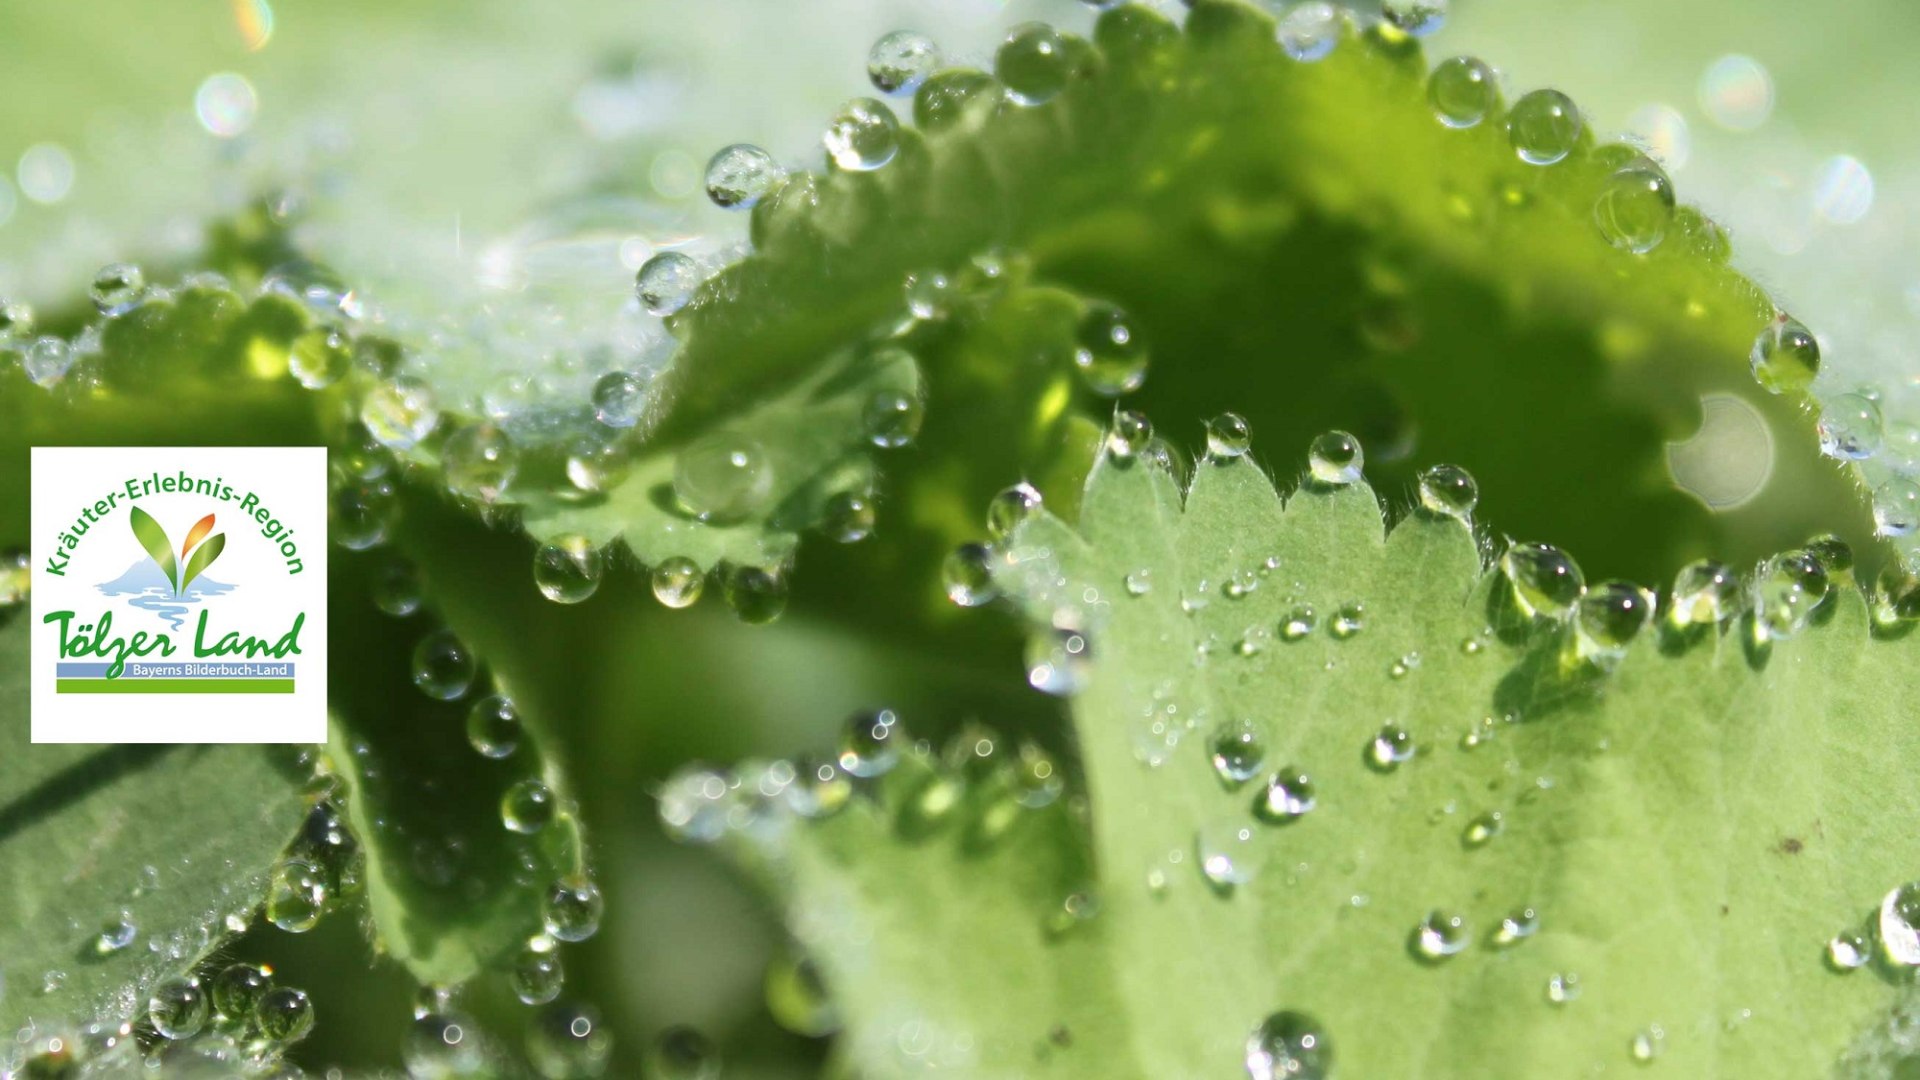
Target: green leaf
(177, 840)
(203, 557)
(1691, 826)
(451, 890)
(154, 539)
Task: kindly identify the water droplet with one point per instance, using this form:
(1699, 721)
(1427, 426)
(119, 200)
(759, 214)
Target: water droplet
(665, 283)
(1847, 950)
(284, 1015)
(1440, 935)
(892, 418)
(537, 974)
(1645, 1045)
(678, 581)
(1482, 829)
(797, 997)
(927, 294)
(493, 726)
(1298, 623)
(1635, 208)
(360, 513)
(1463, 91)
(319, 358)
(1309, 31)
(1833, 554)
(1289, 1046)
(682, 1053)
(118, 933)
(237, 990)
(16, 321)
(1789, 587)
(1139, 582)
(869, 747)
(443, 666)
(620, 397)
(399, 413)
(1110, 353)
(756, 594)
(723, 477)
(1011, 507)
(1130, 434)
(527, 807)
(1238, 753)
(739, 176)
(47, 360)
(1896, 507)
(1416, 17)
(1516, 926)
(1899, 926)
(1705, 593)
(118, 288)
(178, 1008)
(1226, 853)
(1335, 459)
(439, 1045)
(968, 573)
(296, 896)
(1348, 621)
(1228, 437)
(1059, 660)
(1287, 798)
(480, 461)
(862, 136)
(1563, 987)
(1035, 62)
(573, 909)
(1544, 127)
(1449, 491)
(901, 61)
(848, 517)
(1610, 615)
(567, 570)
(1390, 747)
(1785, 356)
(1546, 581)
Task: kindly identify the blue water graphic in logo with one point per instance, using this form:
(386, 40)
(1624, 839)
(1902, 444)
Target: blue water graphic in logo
(150, 590)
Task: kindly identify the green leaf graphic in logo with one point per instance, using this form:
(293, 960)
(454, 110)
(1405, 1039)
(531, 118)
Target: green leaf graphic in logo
(154, 539)
(203, 558)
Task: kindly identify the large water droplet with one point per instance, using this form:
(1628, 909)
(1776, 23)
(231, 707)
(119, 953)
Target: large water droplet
(573, 909)
(620, 398)
(1546, 581)
(296, 895)
(1544, 127)
(682, 1053)
(664, 285)
(1309, 31)
(968, 573)
(284, 1015)
(440, 1045)
(1449, 491)
(568, 569)
(1896, 507)
(739, 176)
(480, 461)
(1059, 660)
(178, 1007)
(1609, 616)
(1130, 434)
(118, 289)
(238, 989)
(1705, 593)
(47, 360)
(1011, 507)
(901, 61)
(528, 806)
(1228, 437)
(1238, 753)
(1785, 356)
(723, 477)
(1289, 1046)
(1287, 798)
(757, 594)
(493, 726)
(1635, 207)
(1335, 459)
(1899, 926)
(862, 136)
(870, 745)
(1225, 853)
(1847, 950)
(1109, 351)
(319, 358)
(1035, 63)
(538, 975)
(1440, 935)
(1391, 747)
(399, 413)
(443, 666)
(1463, 91)
(678, 581)
(1850, 427)
(892, 418)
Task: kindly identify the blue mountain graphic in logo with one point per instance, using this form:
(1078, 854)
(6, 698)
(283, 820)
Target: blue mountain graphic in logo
(149, 589)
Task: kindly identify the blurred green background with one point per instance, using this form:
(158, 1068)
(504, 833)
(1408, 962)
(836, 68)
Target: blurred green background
(424, 136)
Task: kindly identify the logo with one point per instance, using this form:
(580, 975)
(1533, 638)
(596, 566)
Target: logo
(137, 637)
